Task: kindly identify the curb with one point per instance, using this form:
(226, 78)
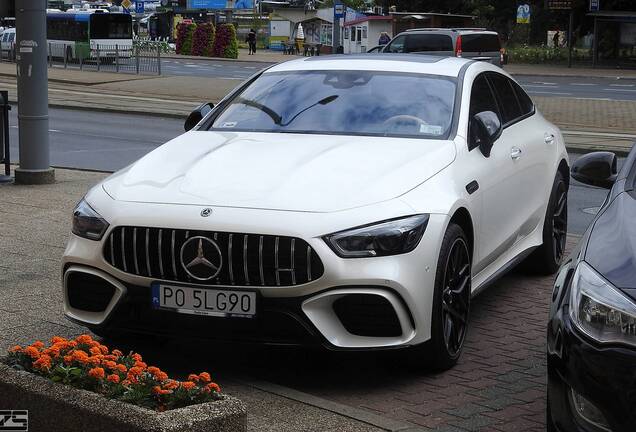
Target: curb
(556, 74)
(185, 57)
(358, 414)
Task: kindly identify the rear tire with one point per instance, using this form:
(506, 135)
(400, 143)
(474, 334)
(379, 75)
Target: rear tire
(451, 303)
(546, 259)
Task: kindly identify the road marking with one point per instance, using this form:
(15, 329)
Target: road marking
(619, 90)
(547, 92)
(544, 83)
(250, 67)
(621, 85)
(537, 86)
(582, 84)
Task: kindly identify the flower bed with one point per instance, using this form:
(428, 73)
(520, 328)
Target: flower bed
(120, 386)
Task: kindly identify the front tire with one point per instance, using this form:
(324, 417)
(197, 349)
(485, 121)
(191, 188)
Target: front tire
(546, 259)
(451, 302)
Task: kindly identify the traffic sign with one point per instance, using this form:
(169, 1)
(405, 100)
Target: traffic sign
(139, 7)
(338, 10)
(595, 5)
(126, 4)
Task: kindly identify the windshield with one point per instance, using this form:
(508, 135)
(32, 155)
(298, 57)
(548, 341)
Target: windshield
(110, 26)
(343, 102)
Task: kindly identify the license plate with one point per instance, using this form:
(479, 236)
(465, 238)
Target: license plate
(204, 301)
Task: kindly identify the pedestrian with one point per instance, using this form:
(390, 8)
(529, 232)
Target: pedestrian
(251, 41)
(384, 38)
(555, 39)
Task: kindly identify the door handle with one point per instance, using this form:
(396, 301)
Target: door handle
(548, 138)
(515, 153)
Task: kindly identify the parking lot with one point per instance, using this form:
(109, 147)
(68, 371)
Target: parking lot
(499, 384)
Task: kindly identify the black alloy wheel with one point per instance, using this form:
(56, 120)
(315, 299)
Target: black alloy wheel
(456, 297)
(560, 222)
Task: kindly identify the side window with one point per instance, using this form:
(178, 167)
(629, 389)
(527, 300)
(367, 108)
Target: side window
(524, 100)
(396, 45)
(428, 42)
(510, 108)
(481, 99)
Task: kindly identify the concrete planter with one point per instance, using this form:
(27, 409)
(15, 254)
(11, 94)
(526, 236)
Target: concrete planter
(56, 407)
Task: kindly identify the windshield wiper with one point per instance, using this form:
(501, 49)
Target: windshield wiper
(259, 106)
(323, 101)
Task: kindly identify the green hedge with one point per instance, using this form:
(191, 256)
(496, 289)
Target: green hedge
(225, 42)
(184, 38)
(538, 54)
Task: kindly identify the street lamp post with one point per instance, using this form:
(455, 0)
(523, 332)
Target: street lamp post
(33, 110)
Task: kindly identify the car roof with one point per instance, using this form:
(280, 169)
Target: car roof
(467, 30)
(382, 62)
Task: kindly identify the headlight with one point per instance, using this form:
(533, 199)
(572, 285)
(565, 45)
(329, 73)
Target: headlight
(392, 237)
(600, 310)
(87, 222)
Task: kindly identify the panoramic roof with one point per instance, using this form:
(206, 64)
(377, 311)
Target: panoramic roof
(413, 63)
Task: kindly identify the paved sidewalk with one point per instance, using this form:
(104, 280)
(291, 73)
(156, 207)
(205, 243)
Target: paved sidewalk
(34, 226)
(498, 386)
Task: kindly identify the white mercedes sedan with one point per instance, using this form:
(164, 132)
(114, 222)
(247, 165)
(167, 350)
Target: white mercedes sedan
(354, 202)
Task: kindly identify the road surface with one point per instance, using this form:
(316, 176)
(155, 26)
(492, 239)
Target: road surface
(111, 141)
(579, 87)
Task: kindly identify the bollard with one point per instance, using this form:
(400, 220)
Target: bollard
(5, 150)
(50, 56)
(98, 59)
(117, 57)
(158, 59)
(137, 58)
(65, 57)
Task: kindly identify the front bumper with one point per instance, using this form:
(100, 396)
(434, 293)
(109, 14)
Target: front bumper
(299, 314)
(605, 376)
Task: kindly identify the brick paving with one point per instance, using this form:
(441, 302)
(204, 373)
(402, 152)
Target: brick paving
(498, 385)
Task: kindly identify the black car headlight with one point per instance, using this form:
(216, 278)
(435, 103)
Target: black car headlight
(87, 222)
(600, 310)
(391, 237)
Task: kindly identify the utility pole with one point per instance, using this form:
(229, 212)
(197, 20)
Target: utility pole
(33, 109)
(338, 12)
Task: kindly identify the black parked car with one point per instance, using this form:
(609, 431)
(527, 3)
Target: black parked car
(592, 327)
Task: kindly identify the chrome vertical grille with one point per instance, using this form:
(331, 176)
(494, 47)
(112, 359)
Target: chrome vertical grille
(248, 259)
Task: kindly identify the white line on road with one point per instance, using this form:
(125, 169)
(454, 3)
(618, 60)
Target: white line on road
(583, 84)
(50, 130)
(621, 85)
(619, 90)
(544, 83)
(537, 86)
(547, 92)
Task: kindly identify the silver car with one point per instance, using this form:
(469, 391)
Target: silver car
(472, 43)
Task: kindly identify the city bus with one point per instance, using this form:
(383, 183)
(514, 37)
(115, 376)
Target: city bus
(82, 35)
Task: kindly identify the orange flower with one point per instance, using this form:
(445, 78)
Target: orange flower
(110, 357)
(96, 373)
(136, 357)
(159, 391)
(95, 350)
(188, 385)
(125, 383)
(205, 377)
(72, 344)
(44, 362)
(117, 353)
(80, 356)
(193, 377)
(15, 349)
(38, 344)
(171, 385)
(213, 387)
(110, 364)
(154, 370)
(68, 359)
(121, 368)
(161, 376)
(114, 378)
(32, 352)
(57, 339)
(94, 360)
(141, 364)
(135, 371)
(52, 351)
(103, 349)
(84, 339)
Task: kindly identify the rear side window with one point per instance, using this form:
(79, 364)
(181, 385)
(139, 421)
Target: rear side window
(481, 99)
(524, 100)
(428, 42)
(395, 46)
(510, 108)
(480, 42)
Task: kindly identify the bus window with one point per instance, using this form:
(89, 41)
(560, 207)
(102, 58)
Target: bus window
(111, 26)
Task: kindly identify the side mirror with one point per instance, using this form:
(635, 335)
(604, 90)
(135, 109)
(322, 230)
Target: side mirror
(197, 115)
(596, 169)
(485, 129)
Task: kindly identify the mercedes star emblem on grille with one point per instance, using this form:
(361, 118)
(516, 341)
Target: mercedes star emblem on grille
(201, 258)
(206, 212)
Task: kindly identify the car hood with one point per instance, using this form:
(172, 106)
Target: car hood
(612, 246)
(296, 172)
